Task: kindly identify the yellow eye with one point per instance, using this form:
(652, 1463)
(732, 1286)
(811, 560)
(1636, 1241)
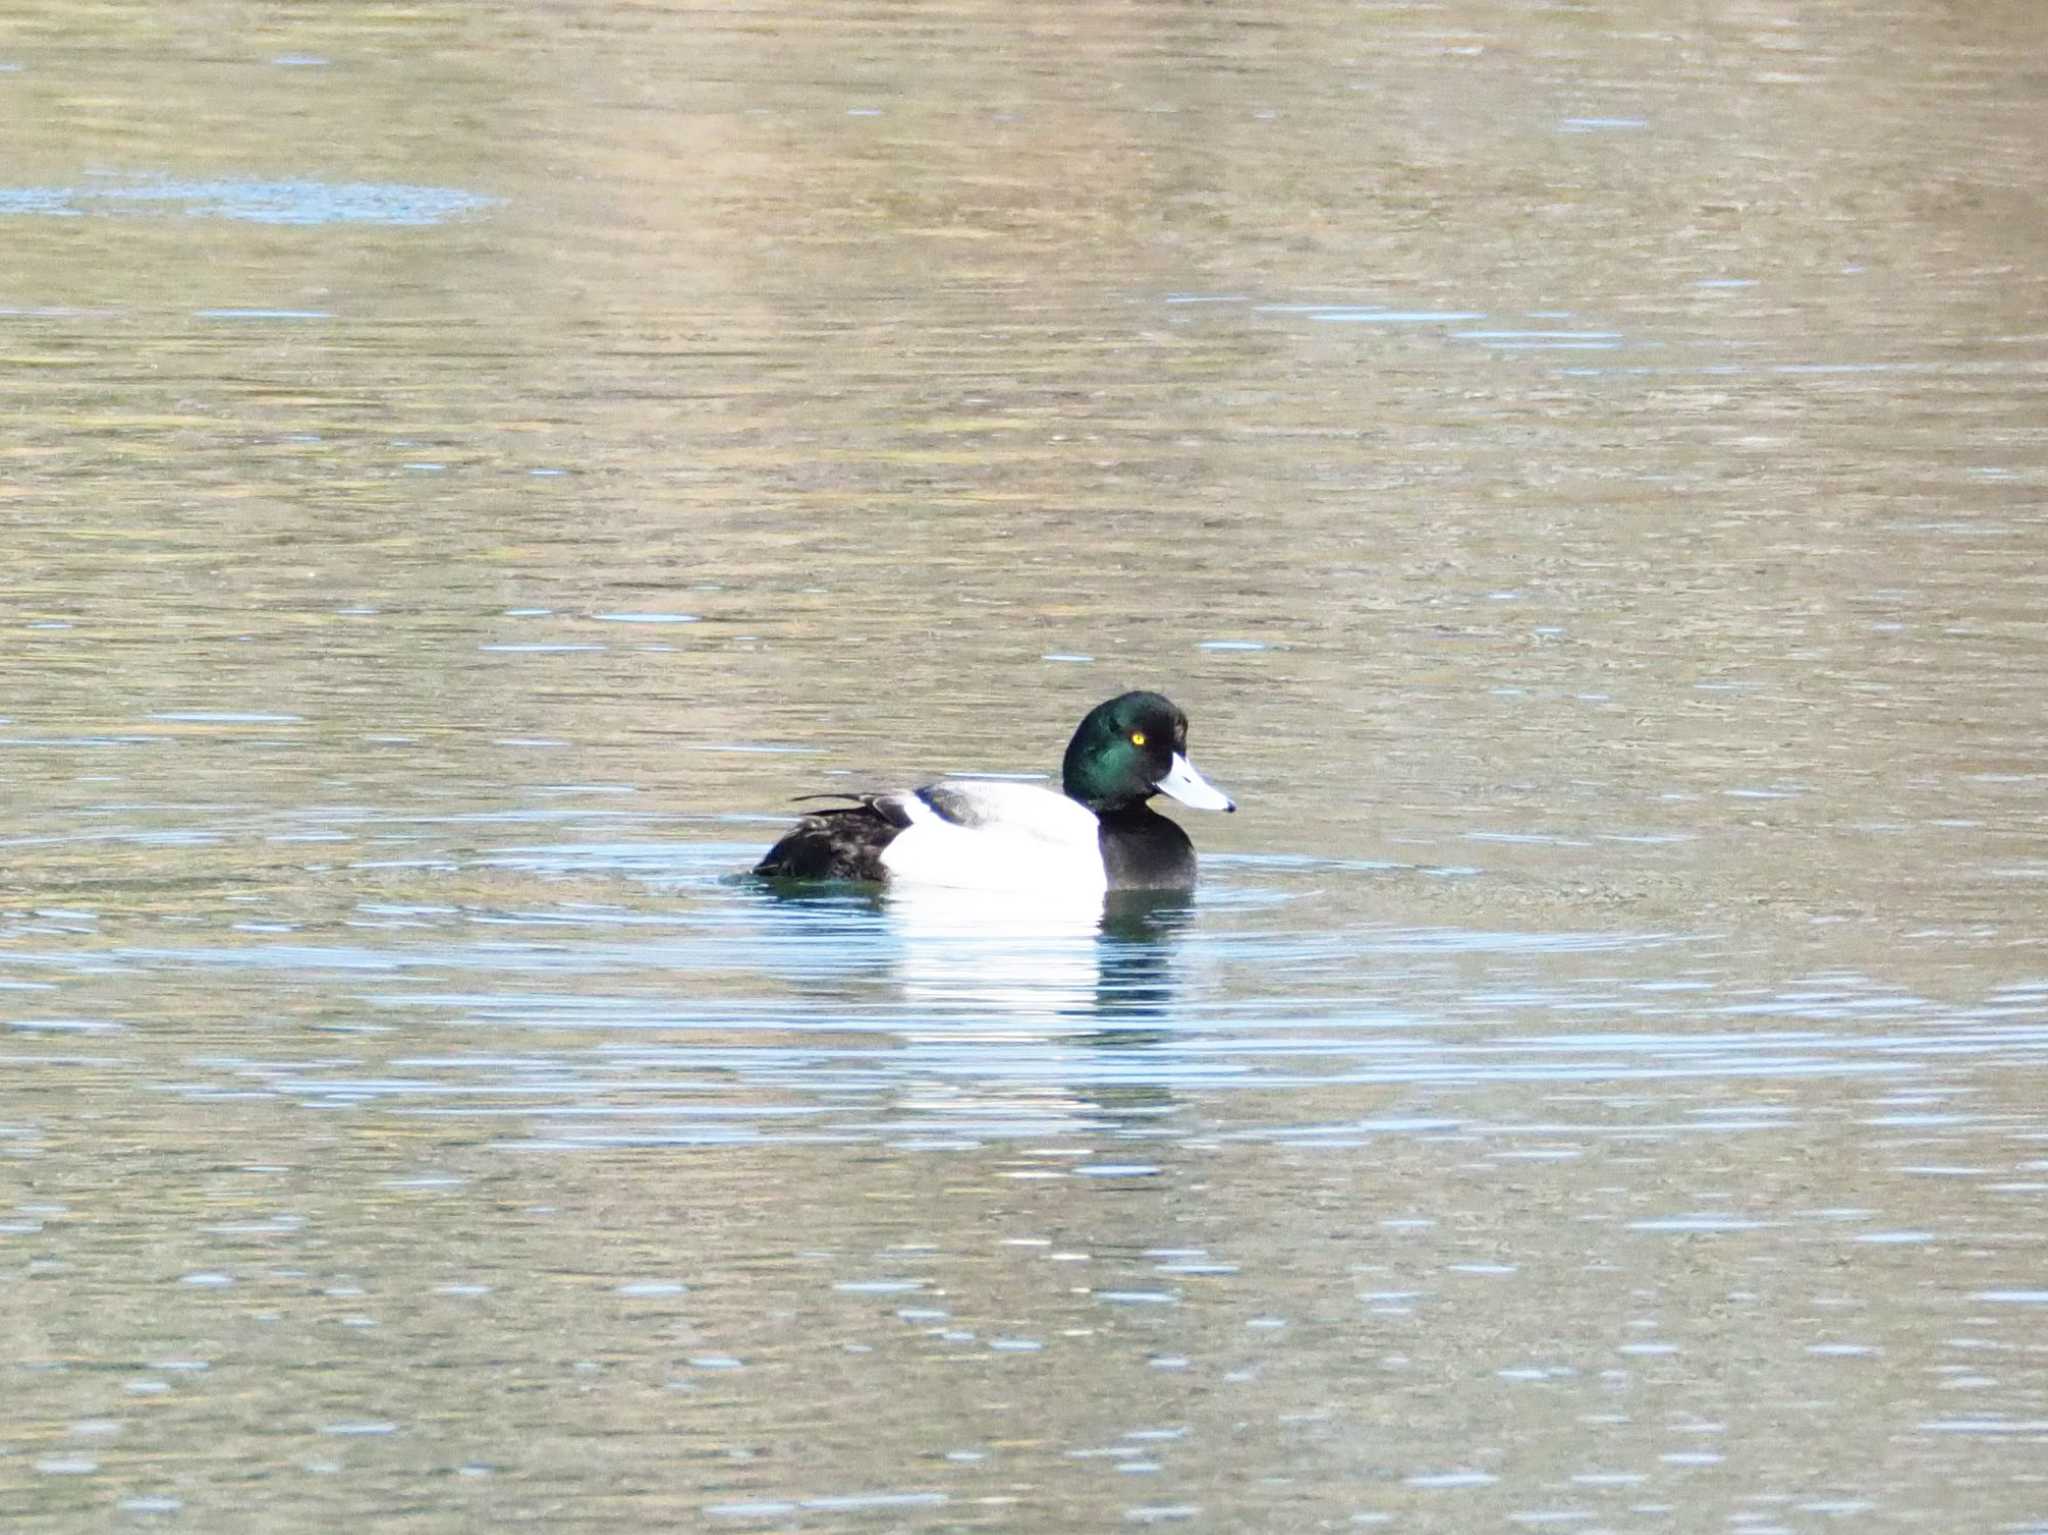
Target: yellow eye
(1137, 738)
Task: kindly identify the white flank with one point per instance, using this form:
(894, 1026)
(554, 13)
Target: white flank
(1029, 839)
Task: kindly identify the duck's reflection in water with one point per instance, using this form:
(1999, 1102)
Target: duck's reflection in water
(1045, 964)
(1028, 1016)
(1010, 1015)
(1136, 947)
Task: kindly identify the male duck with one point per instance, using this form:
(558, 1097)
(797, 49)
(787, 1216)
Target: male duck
(975, 834)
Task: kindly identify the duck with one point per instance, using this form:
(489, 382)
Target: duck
(1095, 834)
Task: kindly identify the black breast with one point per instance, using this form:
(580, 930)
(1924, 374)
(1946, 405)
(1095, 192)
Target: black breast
(1142, 850)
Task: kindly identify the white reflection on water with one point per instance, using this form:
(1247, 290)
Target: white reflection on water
(256, 202)
(1033, 960)
(719, 1012)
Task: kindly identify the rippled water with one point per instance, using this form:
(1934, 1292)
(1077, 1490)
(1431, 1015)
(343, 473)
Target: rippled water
(1581, 470)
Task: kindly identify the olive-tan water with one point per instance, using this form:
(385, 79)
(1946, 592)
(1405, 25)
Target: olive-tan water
(1581, 468)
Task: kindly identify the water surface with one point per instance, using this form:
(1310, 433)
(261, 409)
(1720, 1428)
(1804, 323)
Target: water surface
(1580, 469)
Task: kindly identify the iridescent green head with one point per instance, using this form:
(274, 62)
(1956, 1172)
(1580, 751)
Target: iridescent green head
(1130, 748)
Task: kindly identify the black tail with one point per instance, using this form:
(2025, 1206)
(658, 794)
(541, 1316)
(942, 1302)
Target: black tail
(844, 842)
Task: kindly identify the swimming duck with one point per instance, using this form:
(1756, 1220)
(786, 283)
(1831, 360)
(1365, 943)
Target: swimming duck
(1098, 835)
